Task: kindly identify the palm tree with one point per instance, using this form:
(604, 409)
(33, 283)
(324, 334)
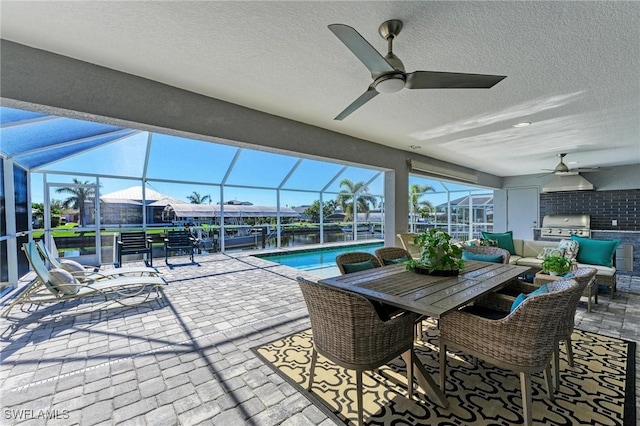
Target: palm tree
(415, 192)
(196, 198)
(80, 195)
(345, 198)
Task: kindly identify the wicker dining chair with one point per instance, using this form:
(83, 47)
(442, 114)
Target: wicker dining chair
(392, 255)
(523, 341)
(355, 257)
(347, 331)
(490, 250)
(585, 277)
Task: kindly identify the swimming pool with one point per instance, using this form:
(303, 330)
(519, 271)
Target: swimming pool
(321, 262)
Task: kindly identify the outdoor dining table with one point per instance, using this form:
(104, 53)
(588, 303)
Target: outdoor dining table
(429, 295)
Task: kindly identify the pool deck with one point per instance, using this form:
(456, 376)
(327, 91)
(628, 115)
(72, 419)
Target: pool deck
(186, 359)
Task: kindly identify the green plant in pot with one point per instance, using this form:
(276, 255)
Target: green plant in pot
(439, 255)
(556, 265)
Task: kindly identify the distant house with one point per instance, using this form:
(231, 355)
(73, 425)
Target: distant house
(125, 206)
(301, 212)
(481, 207)
(237, 214)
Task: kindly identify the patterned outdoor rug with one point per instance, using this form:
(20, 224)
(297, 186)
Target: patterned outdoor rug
(598, 390)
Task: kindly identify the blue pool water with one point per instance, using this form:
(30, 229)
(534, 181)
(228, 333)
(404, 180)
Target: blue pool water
(321, 262)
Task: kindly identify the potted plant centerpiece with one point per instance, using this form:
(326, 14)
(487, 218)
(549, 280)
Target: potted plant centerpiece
(556, 265)
(439, 255)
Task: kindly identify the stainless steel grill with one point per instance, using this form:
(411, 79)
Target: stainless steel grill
(563, 226)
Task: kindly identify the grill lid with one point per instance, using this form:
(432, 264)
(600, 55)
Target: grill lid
(572, 221)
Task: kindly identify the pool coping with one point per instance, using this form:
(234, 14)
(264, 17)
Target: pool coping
(313, 247)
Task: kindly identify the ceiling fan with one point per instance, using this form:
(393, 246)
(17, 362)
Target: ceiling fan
(563, 169)
(389, 74)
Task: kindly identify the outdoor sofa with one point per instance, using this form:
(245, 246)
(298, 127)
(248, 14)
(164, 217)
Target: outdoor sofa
(531, 254)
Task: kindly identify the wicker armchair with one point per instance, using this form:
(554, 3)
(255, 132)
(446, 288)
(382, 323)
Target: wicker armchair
(386, 256)
(406, 239)
(347, 331)
(523, 341)
(489, 250)
(389, 255)
(585, 277)
(502, 302)
(355, 257)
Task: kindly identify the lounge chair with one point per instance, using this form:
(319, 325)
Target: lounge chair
(56, 285)
(83, 274)
(406, 238)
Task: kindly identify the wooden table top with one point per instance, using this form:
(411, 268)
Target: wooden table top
(427, 294)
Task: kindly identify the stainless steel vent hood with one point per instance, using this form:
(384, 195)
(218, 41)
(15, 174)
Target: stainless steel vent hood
(567, 182)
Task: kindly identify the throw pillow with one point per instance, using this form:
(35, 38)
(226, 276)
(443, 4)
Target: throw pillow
(504, 239)
(490, 243)
(394, 261)
(62, 281)
(570, 248)
(72, 266)
(596, 252)
(522, 297)
(482, 257)
(550, 251)
(358, 266)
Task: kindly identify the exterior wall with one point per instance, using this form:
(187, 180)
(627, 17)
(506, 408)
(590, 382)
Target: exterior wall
(603, 207)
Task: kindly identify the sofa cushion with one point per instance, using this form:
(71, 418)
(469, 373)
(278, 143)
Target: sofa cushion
(518, 244)
(603, 271)
(504, 239)
(533, 248)
(482, 257)
(532, 262)
(513, 259)
(596, 252)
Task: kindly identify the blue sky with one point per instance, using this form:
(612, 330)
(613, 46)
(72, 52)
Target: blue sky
(175, 158)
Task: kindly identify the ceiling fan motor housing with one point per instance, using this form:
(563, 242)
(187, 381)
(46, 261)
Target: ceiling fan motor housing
(389, 83)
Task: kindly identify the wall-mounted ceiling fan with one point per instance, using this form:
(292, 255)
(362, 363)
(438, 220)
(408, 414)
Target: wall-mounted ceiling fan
(389, 74)
(563, 169)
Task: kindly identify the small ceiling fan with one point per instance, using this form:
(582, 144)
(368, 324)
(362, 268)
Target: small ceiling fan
(389, 74)
(563, 169)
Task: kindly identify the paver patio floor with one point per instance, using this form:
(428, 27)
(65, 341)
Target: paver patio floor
(185, 359)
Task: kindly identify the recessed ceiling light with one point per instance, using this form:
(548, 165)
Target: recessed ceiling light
(523, 124)
(415, 147)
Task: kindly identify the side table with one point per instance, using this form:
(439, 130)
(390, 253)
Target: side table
(590, 292)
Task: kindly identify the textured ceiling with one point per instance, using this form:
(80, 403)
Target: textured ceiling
(572, 68)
